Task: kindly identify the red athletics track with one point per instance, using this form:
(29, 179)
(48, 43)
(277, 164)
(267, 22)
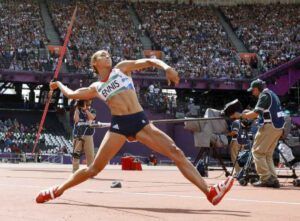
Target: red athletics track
(156, 193)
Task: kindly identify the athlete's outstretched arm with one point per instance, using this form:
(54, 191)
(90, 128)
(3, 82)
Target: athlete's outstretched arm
(85, 93)
(128, 66)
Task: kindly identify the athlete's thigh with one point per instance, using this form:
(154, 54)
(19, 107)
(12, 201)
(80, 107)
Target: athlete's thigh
(109, 147)
(156, 139)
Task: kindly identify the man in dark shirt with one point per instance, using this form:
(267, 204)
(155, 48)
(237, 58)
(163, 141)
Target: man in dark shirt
(271, 121)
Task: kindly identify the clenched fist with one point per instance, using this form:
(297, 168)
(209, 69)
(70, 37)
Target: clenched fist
(53, 85)
(172, 76)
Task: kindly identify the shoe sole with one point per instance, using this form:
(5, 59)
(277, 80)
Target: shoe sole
(231, 181)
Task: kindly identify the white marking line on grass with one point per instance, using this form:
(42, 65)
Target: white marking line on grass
(159, 194)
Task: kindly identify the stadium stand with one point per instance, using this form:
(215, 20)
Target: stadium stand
(197, 45)
(21, 36)
(271, 31)
(106, 25)
(18, 132)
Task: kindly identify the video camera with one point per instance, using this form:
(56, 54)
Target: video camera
(83, 103)
(232, 107)
(236, 106)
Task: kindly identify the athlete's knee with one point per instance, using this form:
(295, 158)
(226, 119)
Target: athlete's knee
(176, 154)
(93, 170)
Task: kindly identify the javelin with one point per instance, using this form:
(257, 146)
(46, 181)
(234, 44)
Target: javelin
(166, 121)
(61, 56)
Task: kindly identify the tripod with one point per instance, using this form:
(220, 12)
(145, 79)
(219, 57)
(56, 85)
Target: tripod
(204, 153)
(296, 181)
(244, 157)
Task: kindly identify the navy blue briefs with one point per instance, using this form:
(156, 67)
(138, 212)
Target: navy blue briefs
(128, 125)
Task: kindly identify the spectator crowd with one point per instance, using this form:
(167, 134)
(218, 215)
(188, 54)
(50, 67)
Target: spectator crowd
(191, 36)
(21, 36)
(272, 31)
(99, 25)
(16, 137)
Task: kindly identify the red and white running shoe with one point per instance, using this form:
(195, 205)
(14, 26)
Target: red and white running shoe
(218, 191)
(46, 195)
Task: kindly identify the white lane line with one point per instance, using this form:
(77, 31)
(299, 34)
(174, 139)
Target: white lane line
(157, 194)
(192, 197)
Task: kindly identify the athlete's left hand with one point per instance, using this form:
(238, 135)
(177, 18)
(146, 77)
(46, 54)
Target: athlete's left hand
(172, 76)
(53, 85)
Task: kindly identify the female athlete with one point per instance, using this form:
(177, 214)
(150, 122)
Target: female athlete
(116, 88)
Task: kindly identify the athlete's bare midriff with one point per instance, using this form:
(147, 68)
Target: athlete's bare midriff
(124, 103)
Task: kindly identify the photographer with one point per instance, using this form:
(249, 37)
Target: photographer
(240, 130)
(271, 120)
(83, 134)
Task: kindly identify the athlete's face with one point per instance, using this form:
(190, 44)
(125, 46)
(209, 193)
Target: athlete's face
(103, 60)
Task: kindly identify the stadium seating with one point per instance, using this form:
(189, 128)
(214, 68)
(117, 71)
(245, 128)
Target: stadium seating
(106, 25)
(271, 31)
(21, 131)
(21, 36)
(196, 45)
(191, 37)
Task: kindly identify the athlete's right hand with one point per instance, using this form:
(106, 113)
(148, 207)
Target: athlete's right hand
(53, 85)
(172, 76)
